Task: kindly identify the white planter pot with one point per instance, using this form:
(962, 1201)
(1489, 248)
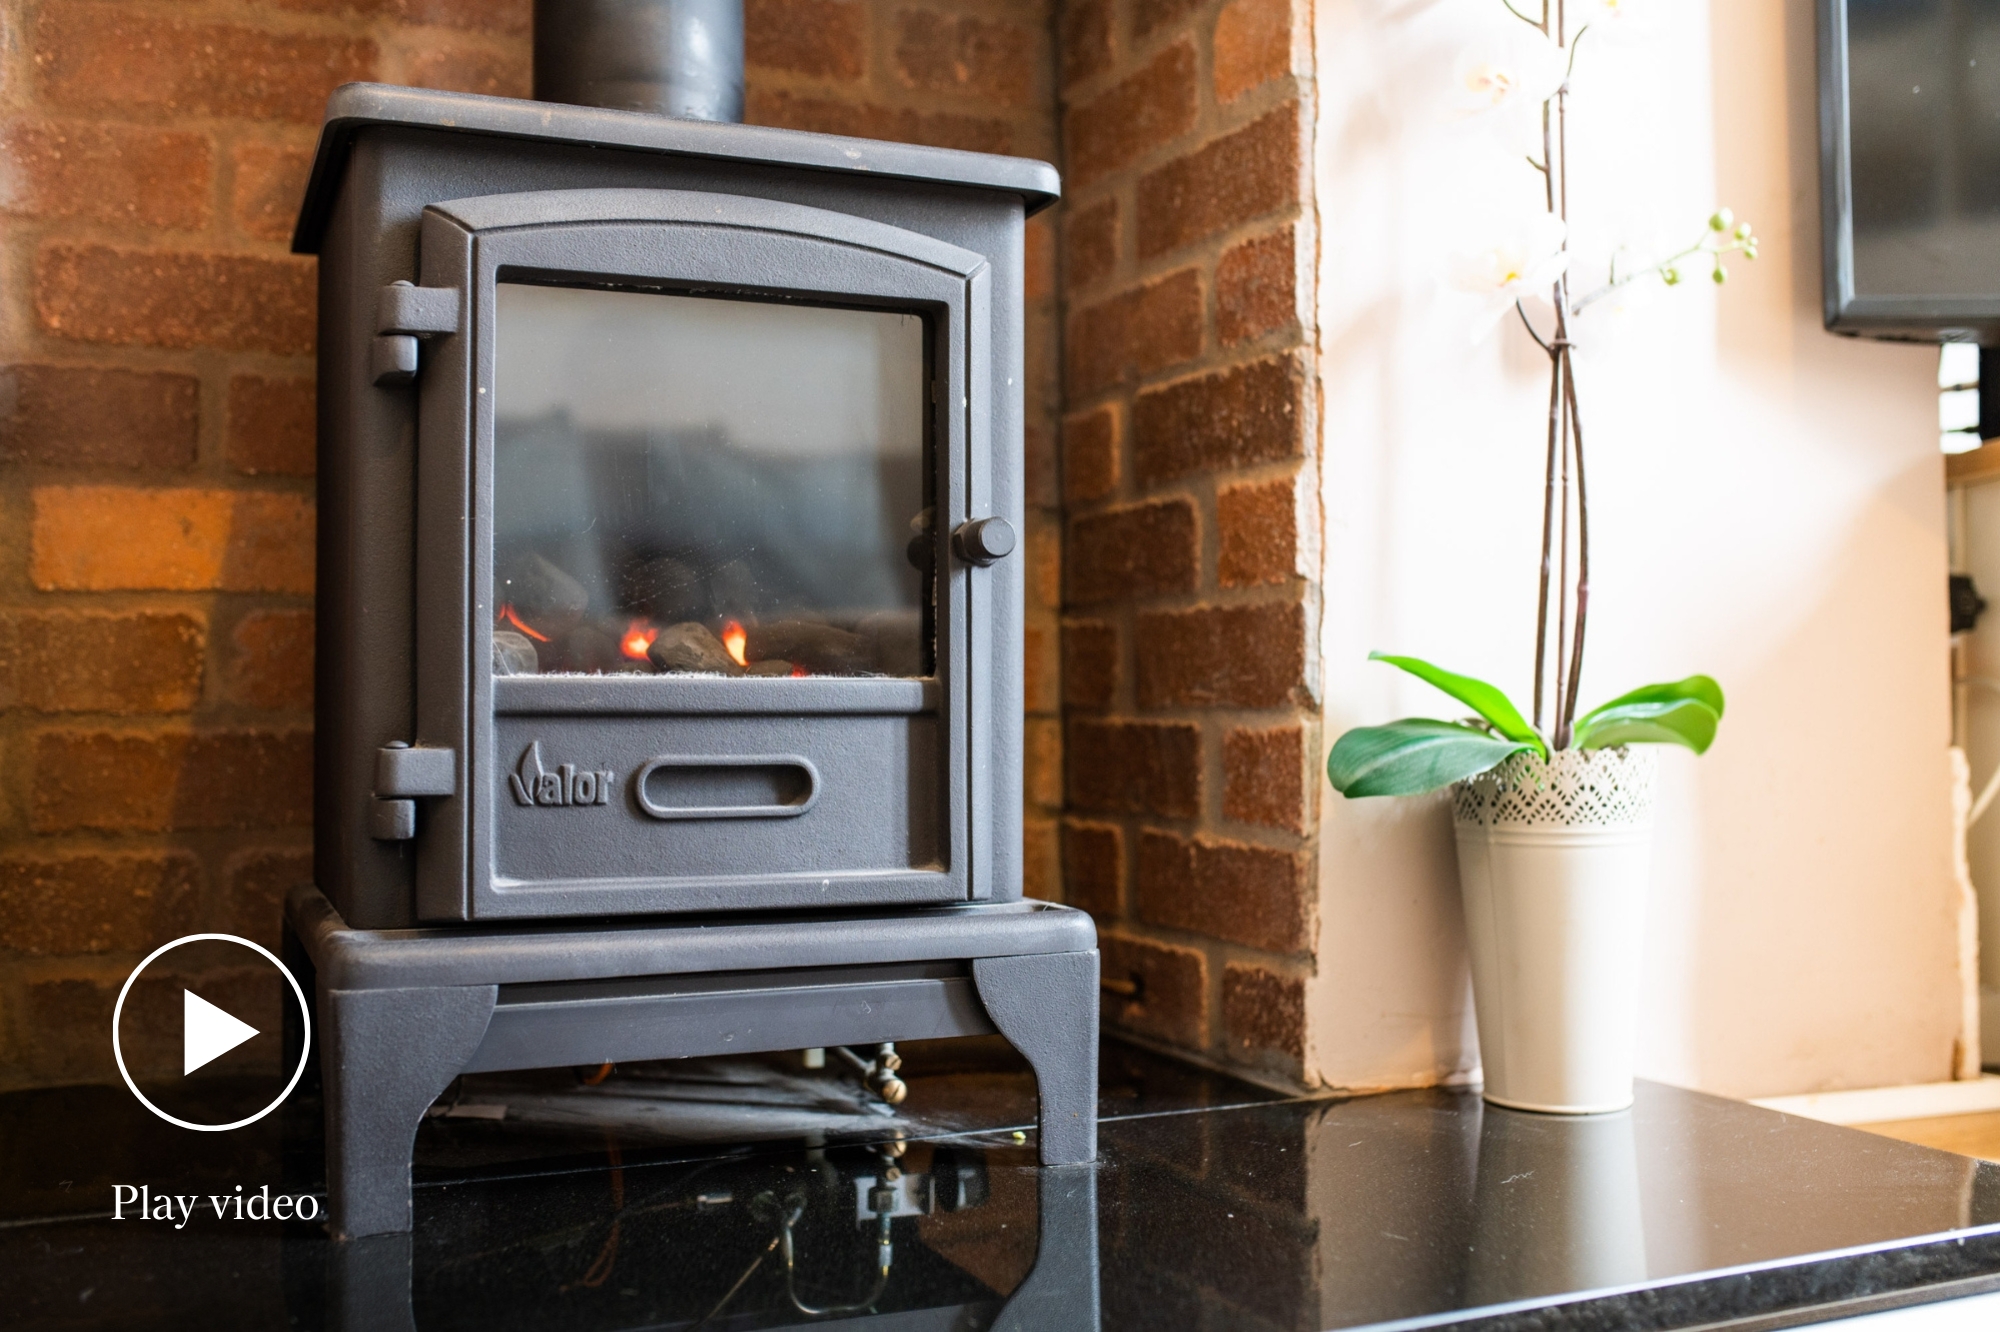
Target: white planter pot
(1553, 861)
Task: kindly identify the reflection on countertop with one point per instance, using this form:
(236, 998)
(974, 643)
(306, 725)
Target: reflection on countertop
(746, 1194)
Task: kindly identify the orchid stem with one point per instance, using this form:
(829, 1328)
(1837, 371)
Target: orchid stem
(1582, 553)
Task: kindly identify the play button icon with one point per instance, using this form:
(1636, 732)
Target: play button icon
(200, 1032)
(207, 1033)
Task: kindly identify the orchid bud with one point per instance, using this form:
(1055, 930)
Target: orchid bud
(1750, 250)
(1743, 231)
(1722, 220)
(1721, 275)
(1670, 276)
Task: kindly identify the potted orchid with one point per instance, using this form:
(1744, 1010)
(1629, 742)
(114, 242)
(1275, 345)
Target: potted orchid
(1552, 808)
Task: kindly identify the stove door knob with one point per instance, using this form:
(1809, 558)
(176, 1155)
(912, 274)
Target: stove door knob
(984, 541)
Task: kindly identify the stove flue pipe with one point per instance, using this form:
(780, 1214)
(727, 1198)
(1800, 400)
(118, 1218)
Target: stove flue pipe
(679, 58)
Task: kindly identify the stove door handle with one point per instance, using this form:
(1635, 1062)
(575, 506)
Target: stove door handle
(984, 541)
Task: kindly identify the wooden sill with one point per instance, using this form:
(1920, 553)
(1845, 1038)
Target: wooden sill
(1974, 466)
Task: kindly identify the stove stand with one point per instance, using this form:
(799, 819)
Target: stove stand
(401, 1013)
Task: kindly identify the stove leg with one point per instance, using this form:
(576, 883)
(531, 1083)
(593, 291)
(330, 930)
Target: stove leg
(388, 1054)
(368, 1285)
(1045, 1004)
(1061, 1292)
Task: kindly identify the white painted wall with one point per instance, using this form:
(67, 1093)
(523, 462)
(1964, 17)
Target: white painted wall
(1769, 509)
(1977, 552)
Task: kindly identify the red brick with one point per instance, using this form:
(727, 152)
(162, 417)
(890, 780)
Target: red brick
(110, 538)
(1090, 664)
(1263, 1011)
(1141, 551)
(501, 17)
(271, 662)
(1253, 45)
(1170, 1002)
(1084, 47)
(871, 120)
(1042, 741)
(1241, 176)
(1038, 442)
(1090, 455)
(1264, 777)
(74, 416)
(1226, 656)
(122, 174)
(1251, 895)
(1116, 767)
(456, 67)
(1045, 566)
(1134, 334)
(60, 661)
(983, 59)
(272, 427)
(1149, 16)
(1041, 861)
(1039, 257)
(97, 903)
(258, 881)
(1257, 528)
(1094, 867)
(1090, 241)
(1043, 671)
(160, 781)
(269, 184)
(230, 302)
(99, 57)
(1144, 111)
(1246, 414)
(1256, 288)
(63, 1025)
(824, 39)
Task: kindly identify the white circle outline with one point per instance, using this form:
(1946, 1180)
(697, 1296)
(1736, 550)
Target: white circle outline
(118, 1049)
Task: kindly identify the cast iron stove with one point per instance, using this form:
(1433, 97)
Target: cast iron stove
(669, 692)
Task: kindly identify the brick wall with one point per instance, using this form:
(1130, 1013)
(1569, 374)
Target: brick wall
(156, 457)
(1190, 611)
(156, 453)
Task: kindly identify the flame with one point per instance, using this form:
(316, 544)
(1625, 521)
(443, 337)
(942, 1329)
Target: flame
(734, 640)
(638, 637)
(507, 616)
(800, 672)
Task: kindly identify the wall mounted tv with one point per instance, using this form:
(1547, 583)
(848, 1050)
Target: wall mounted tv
(1910, 168)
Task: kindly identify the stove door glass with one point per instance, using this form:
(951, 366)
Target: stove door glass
(687, 484)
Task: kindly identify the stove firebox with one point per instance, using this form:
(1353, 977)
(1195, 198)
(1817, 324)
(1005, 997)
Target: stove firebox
(669, 476)
(669, 495)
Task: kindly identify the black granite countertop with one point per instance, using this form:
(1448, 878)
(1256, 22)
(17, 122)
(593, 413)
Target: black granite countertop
(750, 1195)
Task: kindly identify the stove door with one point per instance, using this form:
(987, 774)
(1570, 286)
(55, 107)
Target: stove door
(690, 609)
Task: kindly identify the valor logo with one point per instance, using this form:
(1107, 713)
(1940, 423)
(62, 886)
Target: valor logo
(567, 785)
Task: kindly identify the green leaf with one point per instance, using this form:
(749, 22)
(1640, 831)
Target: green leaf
(1700, 688)
(1685, 721)
(1412, 756)
(1481, 697)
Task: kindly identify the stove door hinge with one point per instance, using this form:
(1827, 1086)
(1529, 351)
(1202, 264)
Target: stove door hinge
(404, 775)
(403, 314)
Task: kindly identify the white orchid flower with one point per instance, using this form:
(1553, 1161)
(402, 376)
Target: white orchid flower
(1504, 70)
(1617, 11)
(1616, 20)
(1524, 255)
